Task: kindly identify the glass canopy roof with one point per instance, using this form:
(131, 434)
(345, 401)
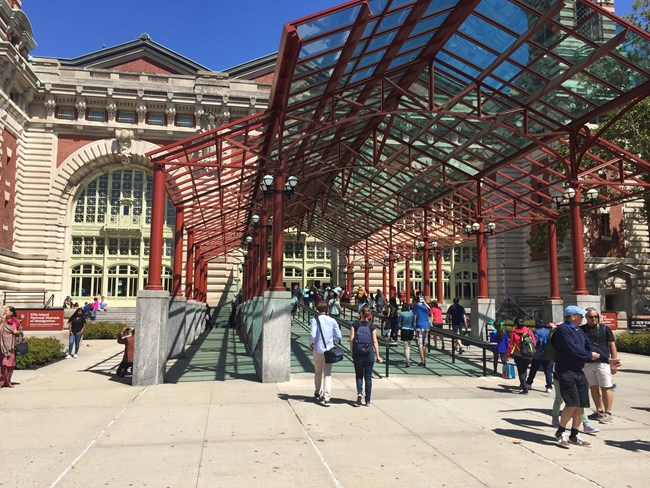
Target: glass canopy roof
(385, 108)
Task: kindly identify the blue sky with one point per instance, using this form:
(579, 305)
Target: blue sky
(218, 34)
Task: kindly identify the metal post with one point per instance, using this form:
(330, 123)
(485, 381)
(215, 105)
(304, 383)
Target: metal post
(439, 287)
(407, 280)
(552, 261)
(178, 252)
(189, 265)
(481, 249)
(277, 245)
(577, 248)
(197, 270)
(154, 279)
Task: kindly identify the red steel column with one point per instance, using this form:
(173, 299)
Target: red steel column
(383, 281)
(366, 276)
(154, 280)
(577, 248)
(178, 252)
(277, 245)
(348, 277)
(264, 245)
(552, 261)
(407, 280)
(204, 286)
(481, 248)
(426, 270)
(189, 264)
(197, 270)
(256, 263)
(439, 288)
(391, 272)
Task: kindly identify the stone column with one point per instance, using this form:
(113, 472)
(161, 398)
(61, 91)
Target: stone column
(273, 352)
(483, 309)
(150, 355)
(177, 326)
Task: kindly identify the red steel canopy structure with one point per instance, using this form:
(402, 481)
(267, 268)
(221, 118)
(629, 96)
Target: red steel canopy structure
(409, 120)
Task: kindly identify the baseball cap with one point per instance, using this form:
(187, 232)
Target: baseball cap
(573, 310)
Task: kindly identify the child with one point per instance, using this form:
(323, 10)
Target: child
(499, 338)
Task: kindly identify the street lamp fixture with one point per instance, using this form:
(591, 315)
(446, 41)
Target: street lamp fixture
(255, 219)
(567, 197)
(289, 186)
(474, 229)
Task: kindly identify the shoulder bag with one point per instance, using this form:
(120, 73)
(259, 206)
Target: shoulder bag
(333, 355)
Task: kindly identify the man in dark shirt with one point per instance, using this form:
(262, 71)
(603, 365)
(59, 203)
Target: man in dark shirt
(572, 350)
(456, 313)
(599, 373)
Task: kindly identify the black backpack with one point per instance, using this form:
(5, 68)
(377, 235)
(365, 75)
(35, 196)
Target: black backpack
(362, 344)
(528, 349)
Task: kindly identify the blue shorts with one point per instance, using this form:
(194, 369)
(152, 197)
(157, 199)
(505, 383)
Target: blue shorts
(457, 328)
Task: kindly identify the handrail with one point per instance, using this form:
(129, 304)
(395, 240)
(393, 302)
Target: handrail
(25, 296)
(519, 309)
(50, 301)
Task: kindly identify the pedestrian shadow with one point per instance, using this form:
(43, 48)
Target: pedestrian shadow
(311, 399)
(500, 389)
(645, 409)
(636, 445)
(544, 411)
(531, 424)
(526, 435)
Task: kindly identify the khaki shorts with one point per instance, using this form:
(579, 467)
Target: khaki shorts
(598, 374)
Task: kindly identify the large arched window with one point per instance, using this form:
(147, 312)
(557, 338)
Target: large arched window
(466, 284)
(86, 281)
(110, 230)
(122, 281)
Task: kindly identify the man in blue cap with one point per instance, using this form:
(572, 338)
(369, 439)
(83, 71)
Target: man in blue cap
(572, 350)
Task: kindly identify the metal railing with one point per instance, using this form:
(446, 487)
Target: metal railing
(27, 298)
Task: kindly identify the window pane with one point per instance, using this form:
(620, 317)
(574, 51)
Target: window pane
(65, 113)
(96, 115)
(126, 117)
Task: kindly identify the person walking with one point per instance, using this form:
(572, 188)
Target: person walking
(539, 360)
(572, 350)
(421, 314)
(324, 332)
(365, 350)
(499, 337)
(11, 333)
(334, 304)
(458, 318)
(380, 302)
(522, 352)
(76, 326)
(436, 323)
(406, 324)
(392, 325)
(599, 373)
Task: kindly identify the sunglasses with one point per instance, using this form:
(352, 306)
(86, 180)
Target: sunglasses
(593, 316)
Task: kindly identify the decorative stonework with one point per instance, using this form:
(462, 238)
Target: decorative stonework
(123, 139)
(50, 106)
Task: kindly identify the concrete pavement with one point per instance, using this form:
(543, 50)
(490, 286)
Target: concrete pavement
(74, 424)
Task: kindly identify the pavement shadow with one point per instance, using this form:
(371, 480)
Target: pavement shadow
(544, 411)
(502, 389)
(634, 371)
(311, 399)
(645, 409)
(531, 424)
(526, 435)
(636, 445)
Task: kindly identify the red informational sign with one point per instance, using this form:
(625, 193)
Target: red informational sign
(609, 319)
(41, 318)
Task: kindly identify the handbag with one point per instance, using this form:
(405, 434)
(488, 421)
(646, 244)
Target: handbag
(333, 355)
(21, 348)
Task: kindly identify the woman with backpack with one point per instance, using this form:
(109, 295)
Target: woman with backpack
(499, 337)
(522, 348)
(365, 350)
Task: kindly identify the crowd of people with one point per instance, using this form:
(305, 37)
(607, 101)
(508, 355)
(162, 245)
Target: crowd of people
(576, 359)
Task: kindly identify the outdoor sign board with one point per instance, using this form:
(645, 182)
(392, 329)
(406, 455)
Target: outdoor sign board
(609, 319)
(638, 322)
(41, 318)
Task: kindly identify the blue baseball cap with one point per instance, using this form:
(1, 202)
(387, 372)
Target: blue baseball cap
(573, 310)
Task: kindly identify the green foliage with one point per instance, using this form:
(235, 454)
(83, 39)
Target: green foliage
(641, 15)
(637, 343)
(42, 351)
(102, 330)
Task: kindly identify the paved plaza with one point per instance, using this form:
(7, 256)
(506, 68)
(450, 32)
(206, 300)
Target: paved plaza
(74, 424)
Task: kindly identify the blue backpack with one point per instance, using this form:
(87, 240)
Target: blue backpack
(362, 345)
(541, 336)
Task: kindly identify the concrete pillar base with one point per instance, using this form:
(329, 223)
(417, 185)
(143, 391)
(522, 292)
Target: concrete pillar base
(176, 326)
(483, 309)
(150, 357)
(273, 353)
(553, 311)
(583, 301)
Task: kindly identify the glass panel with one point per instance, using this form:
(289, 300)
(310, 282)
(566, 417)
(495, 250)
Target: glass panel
(328, 23)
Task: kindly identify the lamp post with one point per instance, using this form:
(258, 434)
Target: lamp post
(478, 229)
(278, 187)
(572, 198)
(438, 254)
